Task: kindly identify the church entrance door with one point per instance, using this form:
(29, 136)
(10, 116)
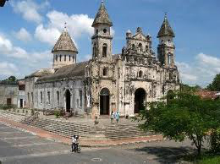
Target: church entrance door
(140, 96)
(104, 101)
(68, 100)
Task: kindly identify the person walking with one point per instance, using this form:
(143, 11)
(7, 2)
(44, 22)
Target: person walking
(112, 117)
(117, 116)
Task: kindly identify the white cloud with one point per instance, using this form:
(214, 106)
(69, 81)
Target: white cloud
(7, 48)
(77, 25)
(209, 62)
(23, 35)
(27, 62)
(8, 69)
(5, 44)
(201, 71)
(29, 10)
(188, 77)
(47, 35)
(185, 73)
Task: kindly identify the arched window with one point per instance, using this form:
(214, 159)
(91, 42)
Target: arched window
(28, 97)
(104, 50)
(104, 92)
(58, 97)
(104, 31)
(69, 58)
(169, 59)
(140, 74)
(48, 97)
(94, 50)
(60, 57)
(147, 47)
(140, 46)
(41, 97)
(65, 58)
(133, 46)
(105, 71)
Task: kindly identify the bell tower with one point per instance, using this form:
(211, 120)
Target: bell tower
(102, 39)
(166, 47)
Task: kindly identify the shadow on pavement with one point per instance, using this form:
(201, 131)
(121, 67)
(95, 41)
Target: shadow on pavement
(167, 155)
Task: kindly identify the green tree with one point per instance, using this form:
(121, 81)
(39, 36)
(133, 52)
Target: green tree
(215, 85)
(186, 115)
(12, 79)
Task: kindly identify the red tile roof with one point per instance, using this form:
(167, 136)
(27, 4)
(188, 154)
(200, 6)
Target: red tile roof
(208, 94)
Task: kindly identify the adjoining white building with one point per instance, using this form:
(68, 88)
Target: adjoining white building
(124, 82)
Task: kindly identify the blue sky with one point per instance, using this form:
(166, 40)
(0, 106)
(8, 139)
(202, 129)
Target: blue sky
(29, 29)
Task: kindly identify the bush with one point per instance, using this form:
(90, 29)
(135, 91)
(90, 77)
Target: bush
(62, 112)
(215, 141)
(57, 113)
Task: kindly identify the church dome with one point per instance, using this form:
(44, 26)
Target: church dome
(65, 43)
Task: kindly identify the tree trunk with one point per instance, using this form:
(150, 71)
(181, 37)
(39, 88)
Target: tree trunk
(199, 150)
(199, 146)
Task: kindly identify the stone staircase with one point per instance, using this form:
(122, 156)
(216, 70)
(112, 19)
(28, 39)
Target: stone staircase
(67, 129)
(88, 132)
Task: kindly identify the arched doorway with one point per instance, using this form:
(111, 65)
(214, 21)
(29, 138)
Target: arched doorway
(140, 96)
(68, 100)
(104, 101)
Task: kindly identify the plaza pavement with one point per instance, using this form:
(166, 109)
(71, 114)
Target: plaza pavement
(21, 147)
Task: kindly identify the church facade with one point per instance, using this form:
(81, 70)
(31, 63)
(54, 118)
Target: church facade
(123, 82)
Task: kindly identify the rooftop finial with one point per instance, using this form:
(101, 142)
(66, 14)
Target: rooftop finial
(165, 17)
(65, 26)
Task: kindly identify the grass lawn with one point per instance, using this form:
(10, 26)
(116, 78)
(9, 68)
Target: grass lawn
(206, 158)
(209, 160)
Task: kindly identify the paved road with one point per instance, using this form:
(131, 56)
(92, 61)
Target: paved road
(20, 147)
